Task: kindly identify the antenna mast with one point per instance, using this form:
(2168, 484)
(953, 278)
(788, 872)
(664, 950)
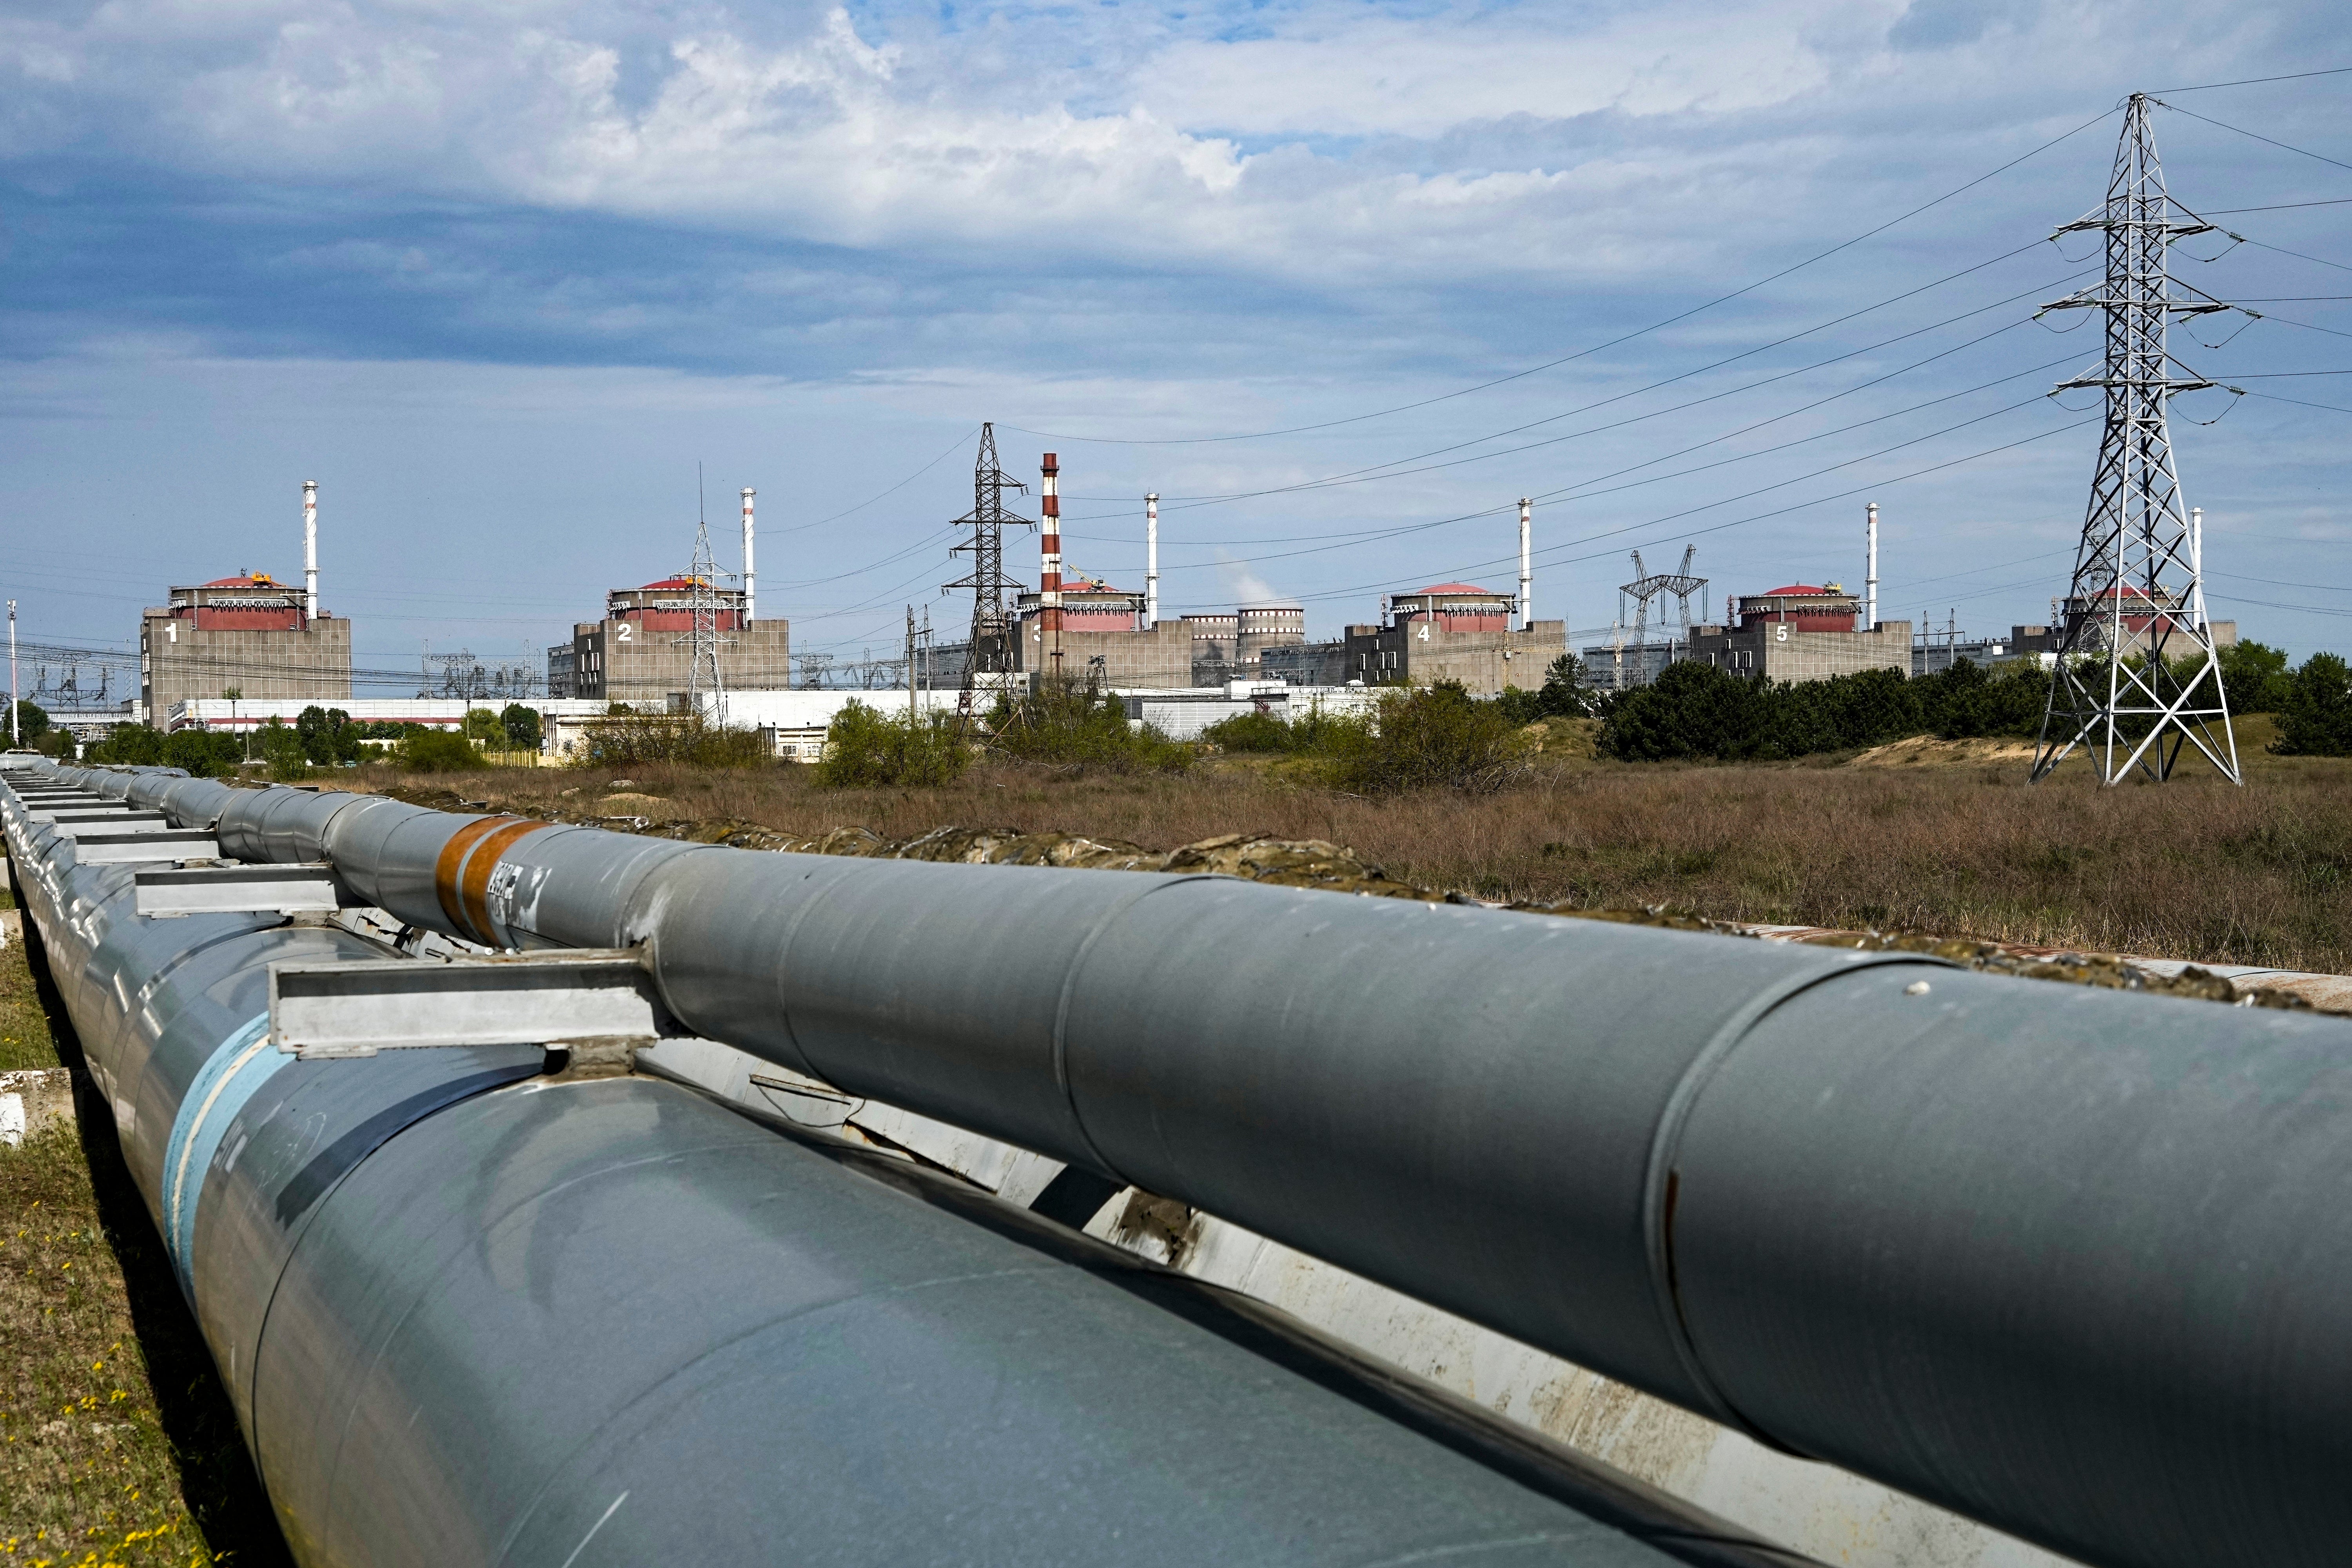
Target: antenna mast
(2136, 592)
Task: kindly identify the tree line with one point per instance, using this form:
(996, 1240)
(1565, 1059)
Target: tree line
(1697, 710)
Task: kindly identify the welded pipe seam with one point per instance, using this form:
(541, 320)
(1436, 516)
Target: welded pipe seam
(1662, 1177)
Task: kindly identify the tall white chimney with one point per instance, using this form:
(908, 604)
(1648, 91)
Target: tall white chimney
(1151, 559)
(1527, 568)
(751, 610)
(310, 545)
(1870, 573)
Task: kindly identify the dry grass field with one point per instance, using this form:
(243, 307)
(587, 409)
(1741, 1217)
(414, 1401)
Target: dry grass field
(1945, 837)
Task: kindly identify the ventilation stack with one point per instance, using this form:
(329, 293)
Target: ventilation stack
(749, 611)
(1049, 569)
(311, 549)
(1870, 571)
(1151, 559)
(1526, 567)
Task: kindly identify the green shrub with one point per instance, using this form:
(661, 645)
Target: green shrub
(204, 753)
(1565, 694)
(864, 748)
(1070, 723)
(633, 740)
(132, 745)
(2254, 677)
(1434, 735)
(2316, 719)
(283, 750)
(1256, 730)
(424, 751)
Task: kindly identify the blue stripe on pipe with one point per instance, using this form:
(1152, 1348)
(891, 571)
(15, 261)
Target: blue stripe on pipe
(241, 1065)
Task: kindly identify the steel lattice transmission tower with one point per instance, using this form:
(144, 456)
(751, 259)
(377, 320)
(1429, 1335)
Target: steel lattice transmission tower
(2136, 591)
(702, 673)
(993, 630)
(1652, 587)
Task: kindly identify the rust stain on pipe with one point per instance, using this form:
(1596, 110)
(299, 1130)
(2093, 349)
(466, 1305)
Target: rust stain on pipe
(453, 855)
(474, 882)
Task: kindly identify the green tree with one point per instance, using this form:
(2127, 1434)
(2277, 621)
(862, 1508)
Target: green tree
(202, 753)
(481, 725)
(132, 745)
(521, 726)
(32, 721)
(2254, 677)
(863, 749)
(283, 749)
(2316, 719)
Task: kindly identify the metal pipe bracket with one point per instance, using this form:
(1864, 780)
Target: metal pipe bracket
(556, 998)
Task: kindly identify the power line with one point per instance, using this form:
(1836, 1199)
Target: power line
(894, 489)
(1551, 560)
(1373, 473)
(2255, 81)
(2274, 397)
(2282, 146)
(1582, 353)
(2278, 206)
(2299, 256)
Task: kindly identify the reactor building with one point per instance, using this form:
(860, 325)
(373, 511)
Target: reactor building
(251, 634)
(1802, 632)
(642, 652)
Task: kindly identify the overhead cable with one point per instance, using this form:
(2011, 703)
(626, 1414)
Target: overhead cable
(1582, 353)
(1376, 472)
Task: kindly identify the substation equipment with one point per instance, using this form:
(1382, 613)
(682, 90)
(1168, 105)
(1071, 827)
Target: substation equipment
(484, 1286)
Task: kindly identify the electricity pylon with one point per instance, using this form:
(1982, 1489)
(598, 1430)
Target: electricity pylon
(2136, 592)
(703, 677)
(992, 624)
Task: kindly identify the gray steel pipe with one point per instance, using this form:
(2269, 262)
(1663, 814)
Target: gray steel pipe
(466, 1314)
(2074, 1263)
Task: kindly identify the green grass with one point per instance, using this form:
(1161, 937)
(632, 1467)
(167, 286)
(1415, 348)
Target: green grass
(117, 1442)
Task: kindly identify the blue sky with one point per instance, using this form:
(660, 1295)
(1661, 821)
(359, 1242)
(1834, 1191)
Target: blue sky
(498, 276)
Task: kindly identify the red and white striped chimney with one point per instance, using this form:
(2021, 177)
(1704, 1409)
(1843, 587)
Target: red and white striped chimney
(1049, 570)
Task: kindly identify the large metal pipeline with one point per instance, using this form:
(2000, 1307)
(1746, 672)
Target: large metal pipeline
(2074, 1263)
(469, 1314)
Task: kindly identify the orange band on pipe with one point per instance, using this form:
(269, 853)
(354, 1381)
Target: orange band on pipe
(453, 854)
(474, 882)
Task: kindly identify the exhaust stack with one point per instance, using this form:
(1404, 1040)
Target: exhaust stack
(1870, 571)
(1526, 567)
(1151, 559)
(750, 606)
(1049, 569)
(310, 548)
